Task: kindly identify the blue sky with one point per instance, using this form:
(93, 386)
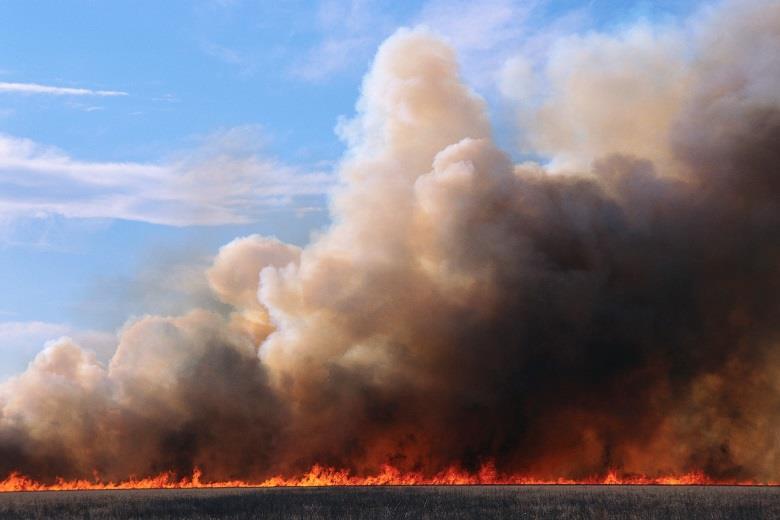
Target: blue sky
(138, 137)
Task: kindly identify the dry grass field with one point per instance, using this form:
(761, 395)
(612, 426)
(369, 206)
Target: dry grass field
(527, 502)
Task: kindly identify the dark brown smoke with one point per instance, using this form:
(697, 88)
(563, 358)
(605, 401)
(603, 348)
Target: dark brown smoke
(461, 309)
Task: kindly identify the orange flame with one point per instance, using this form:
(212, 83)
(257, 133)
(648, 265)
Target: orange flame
(389, 476)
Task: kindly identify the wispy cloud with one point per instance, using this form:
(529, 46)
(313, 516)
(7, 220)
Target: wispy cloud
(225, 54)
(226, 180)
(476, 25)
(37, 88)
(348, 32)
(20, 341)
(330, 57)
(484, 33)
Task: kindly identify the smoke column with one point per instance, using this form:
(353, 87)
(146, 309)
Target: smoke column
(616, 308)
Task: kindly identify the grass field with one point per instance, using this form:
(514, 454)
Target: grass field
(634, 502)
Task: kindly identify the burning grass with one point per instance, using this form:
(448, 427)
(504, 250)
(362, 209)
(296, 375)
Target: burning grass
(320, 476)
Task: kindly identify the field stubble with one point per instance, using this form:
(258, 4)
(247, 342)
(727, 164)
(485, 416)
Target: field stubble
(458, 502)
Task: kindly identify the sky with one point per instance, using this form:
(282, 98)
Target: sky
(138, 137)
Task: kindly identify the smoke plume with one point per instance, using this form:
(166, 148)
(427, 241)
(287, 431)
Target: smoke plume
(619, 308)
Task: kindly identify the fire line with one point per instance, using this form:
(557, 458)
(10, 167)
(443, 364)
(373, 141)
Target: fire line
(389, 476)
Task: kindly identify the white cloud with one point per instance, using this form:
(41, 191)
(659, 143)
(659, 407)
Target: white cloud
(516, 80)
(224, 181)
(20, 341)
(330, 57)
(484, 33)
(476, 25)
(36, 88)
(350, 32)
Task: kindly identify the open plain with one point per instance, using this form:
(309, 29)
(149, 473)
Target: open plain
(458, 502)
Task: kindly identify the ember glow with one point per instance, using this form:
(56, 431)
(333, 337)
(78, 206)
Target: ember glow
(608, 316)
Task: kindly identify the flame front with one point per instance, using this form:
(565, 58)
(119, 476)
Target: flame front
(609, 311)
(388, 476)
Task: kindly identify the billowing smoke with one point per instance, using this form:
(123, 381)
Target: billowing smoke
(617, 309)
